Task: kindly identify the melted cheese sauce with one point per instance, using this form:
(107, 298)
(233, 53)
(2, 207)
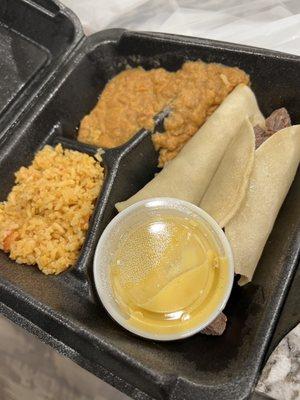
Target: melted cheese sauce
(168, 275)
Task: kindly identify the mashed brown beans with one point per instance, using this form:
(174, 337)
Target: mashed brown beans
(131, 99)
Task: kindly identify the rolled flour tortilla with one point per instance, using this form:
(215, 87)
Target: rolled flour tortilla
(188, 175)
(275, 166)
(229, 185)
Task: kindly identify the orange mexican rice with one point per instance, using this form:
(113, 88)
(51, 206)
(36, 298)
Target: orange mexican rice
(46, 215)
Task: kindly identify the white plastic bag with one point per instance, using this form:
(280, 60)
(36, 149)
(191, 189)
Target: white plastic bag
(271, 24)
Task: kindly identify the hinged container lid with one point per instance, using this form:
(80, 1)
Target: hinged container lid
(36, 36)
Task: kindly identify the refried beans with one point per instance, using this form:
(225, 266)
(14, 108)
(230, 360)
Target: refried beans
(132, 98)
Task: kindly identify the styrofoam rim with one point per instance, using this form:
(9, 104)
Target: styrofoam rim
(171, 203)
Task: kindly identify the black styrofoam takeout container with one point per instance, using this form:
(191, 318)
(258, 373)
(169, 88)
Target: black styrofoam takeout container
(50, 77)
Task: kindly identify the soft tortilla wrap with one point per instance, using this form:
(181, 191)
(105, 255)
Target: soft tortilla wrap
(188, 175)
(275, 166)
(229, 185)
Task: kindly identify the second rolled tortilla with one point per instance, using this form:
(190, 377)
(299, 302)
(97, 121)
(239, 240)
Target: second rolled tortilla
(188, 175)
(275, 166)
(229, 185)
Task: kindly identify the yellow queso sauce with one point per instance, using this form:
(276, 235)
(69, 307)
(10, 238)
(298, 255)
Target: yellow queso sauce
(168, 275)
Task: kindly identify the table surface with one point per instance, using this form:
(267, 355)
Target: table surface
(31, 370)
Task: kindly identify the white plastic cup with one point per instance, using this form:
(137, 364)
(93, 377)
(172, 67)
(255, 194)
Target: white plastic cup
(124, 221)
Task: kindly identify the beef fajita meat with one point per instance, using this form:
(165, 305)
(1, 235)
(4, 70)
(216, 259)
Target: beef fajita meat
(217, 327)
(260, 135)
(278, 120)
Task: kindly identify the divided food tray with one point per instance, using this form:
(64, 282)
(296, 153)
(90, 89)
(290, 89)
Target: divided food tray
(64, 310)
